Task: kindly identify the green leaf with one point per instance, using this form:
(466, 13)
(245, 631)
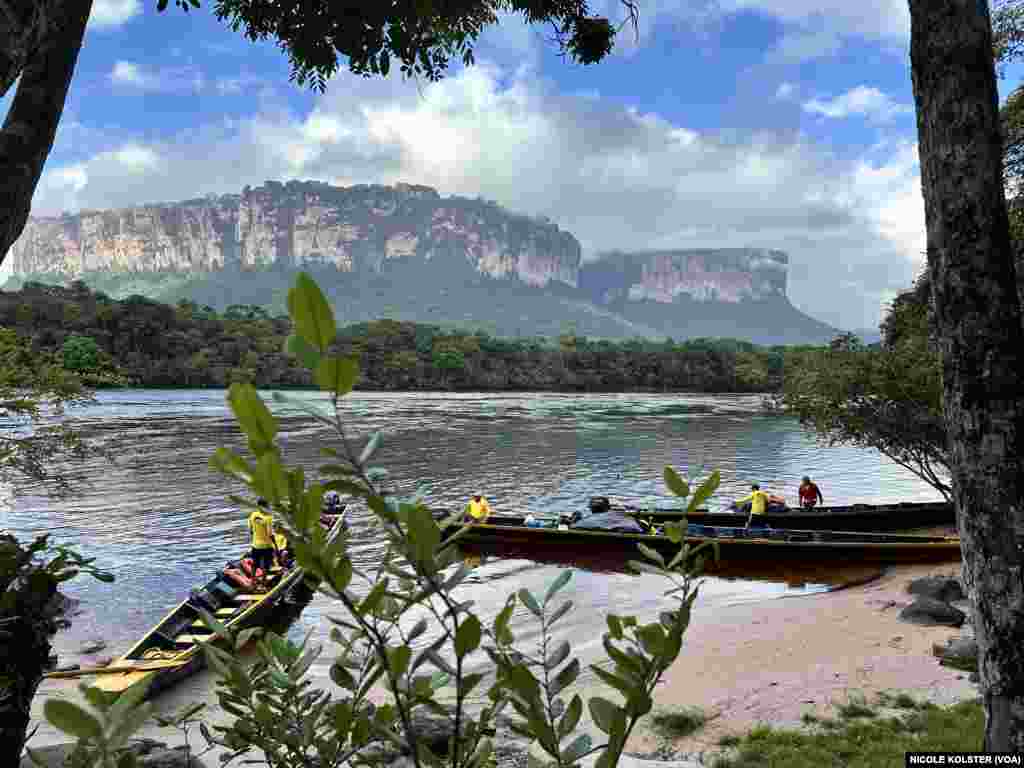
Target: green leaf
(128, 700)
(337, 375)
(651, 554)
(642, 567)
(561, 654)
(530, 602)
(566, 676)
(563, 609)
(625, 687)
(303, 351)
(370, 448)
(467, 637)
(580, 746)
(469, 682)
(342, 677)
(571, 718)
(614, 626)
(253, 417)
(399, 659)
(72, 719)
(127, 723)
(603, 712)
(372, 600)
(557, 584)
(704, 492)
(424, 534)
(652, 638)
(675, 483)
(310, 312)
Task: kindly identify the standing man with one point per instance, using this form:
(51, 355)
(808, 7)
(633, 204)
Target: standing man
(809, 494)
(758, 502)
(478, 509)
(261, 524)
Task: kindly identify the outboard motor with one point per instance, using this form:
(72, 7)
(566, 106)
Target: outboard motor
(599, 504)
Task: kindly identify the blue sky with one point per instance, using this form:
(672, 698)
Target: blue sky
(774, 123)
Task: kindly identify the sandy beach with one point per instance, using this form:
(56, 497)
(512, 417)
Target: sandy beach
(770, 662)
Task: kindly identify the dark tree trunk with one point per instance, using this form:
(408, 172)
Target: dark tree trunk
(24, 655)
(43, 50)
(978, 321)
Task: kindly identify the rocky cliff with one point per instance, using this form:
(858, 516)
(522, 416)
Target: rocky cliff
(407, 253)
(297, 225)
(713, 274)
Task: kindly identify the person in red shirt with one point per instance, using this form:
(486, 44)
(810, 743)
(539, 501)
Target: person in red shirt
(809, 494)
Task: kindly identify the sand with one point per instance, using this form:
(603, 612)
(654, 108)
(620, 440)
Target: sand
(771, 662)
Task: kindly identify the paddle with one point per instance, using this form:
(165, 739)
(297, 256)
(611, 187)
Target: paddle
(144, 667)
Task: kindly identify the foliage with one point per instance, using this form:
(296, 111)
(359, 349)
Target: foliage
(879, 742)
(31, 611)
(80, 353)
(35, 390)
(422, 37)
(410, 595)
(153, 344)
(102, 731)
(888, 398)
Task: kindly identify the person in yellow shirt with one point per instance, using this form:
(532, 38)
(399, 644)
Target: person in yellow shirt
(478, 509)
(758, 502)
(261, 524)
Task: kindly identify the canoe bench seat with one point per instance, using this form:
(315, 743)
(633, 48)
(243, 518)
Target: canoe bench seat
(226, 611)
(251, 598)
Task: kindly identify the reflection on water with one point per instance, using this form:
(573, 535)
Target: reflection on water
(159, 518)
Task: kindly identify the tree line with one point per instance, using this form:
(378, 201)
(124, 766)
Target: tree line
(141, 342)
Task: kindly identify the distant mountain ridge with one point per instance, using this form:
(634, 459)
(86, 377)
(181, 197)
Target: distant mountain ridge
(406, 252)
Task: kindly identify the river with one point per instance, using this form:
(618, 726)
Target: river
(159, 518)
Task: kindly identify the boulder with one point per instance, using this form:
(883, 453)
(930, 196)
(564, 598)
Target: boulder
(959, 653)
(940, 588)
(93, 646)
(928, 612)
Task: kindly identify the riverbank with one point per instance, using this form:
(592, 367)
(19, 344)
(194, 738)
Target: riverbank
(747, 664)
(775, 661)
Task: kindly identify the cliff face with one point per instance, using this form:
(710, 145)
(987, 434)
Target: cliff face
(298, 224)
(727, 275)
(407, 253)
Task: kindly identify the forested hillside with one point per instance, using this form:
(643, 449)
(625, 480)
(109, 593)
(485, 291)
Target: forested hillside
(140, 342)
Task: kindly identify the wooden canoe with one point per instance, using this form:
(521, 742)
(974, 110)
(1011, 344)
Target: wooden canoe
(172, 650)
(854, 517)
(734, 544)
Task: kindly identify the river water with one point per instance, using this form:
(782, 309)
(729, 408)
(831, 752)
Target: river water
(159, 518)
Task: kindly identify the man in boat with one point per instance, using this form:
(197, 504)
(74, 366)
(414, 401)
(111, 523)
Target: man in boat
(261, 524)
(809, 494)
(283, 554)
(332, 507)
(478, 510)
(758, 502)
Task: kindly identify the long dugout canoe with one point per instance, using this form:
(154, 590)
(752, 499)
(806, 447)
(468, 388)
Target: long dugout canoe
(853, 517)
(734, 544)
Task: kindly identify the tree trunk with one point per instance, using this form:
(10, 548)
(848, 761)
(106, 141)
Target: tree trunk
(25, 654)
(978, 318)
(26, 138)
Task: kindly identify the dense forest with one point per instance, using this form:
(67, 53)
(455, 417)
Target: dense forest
(140, 342)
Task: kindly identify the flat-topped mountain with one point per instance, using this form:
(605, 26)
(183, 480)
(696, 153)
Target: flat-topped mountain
(406, 252)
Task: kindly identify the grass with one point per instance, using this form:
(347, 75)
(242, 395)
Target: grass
(863, 742)
(856, 706)
(678, 723)
(899, 701)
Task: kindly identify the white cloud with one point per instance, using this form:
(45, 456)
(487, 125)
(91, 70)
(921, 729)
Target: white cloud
(113, 13)
(872, 19)
(862, 100)
(805, 45)
(170, 79)
(785, 91)
(615, 177)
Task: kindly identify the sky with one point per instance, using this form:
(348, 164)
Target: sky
(783, 124)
